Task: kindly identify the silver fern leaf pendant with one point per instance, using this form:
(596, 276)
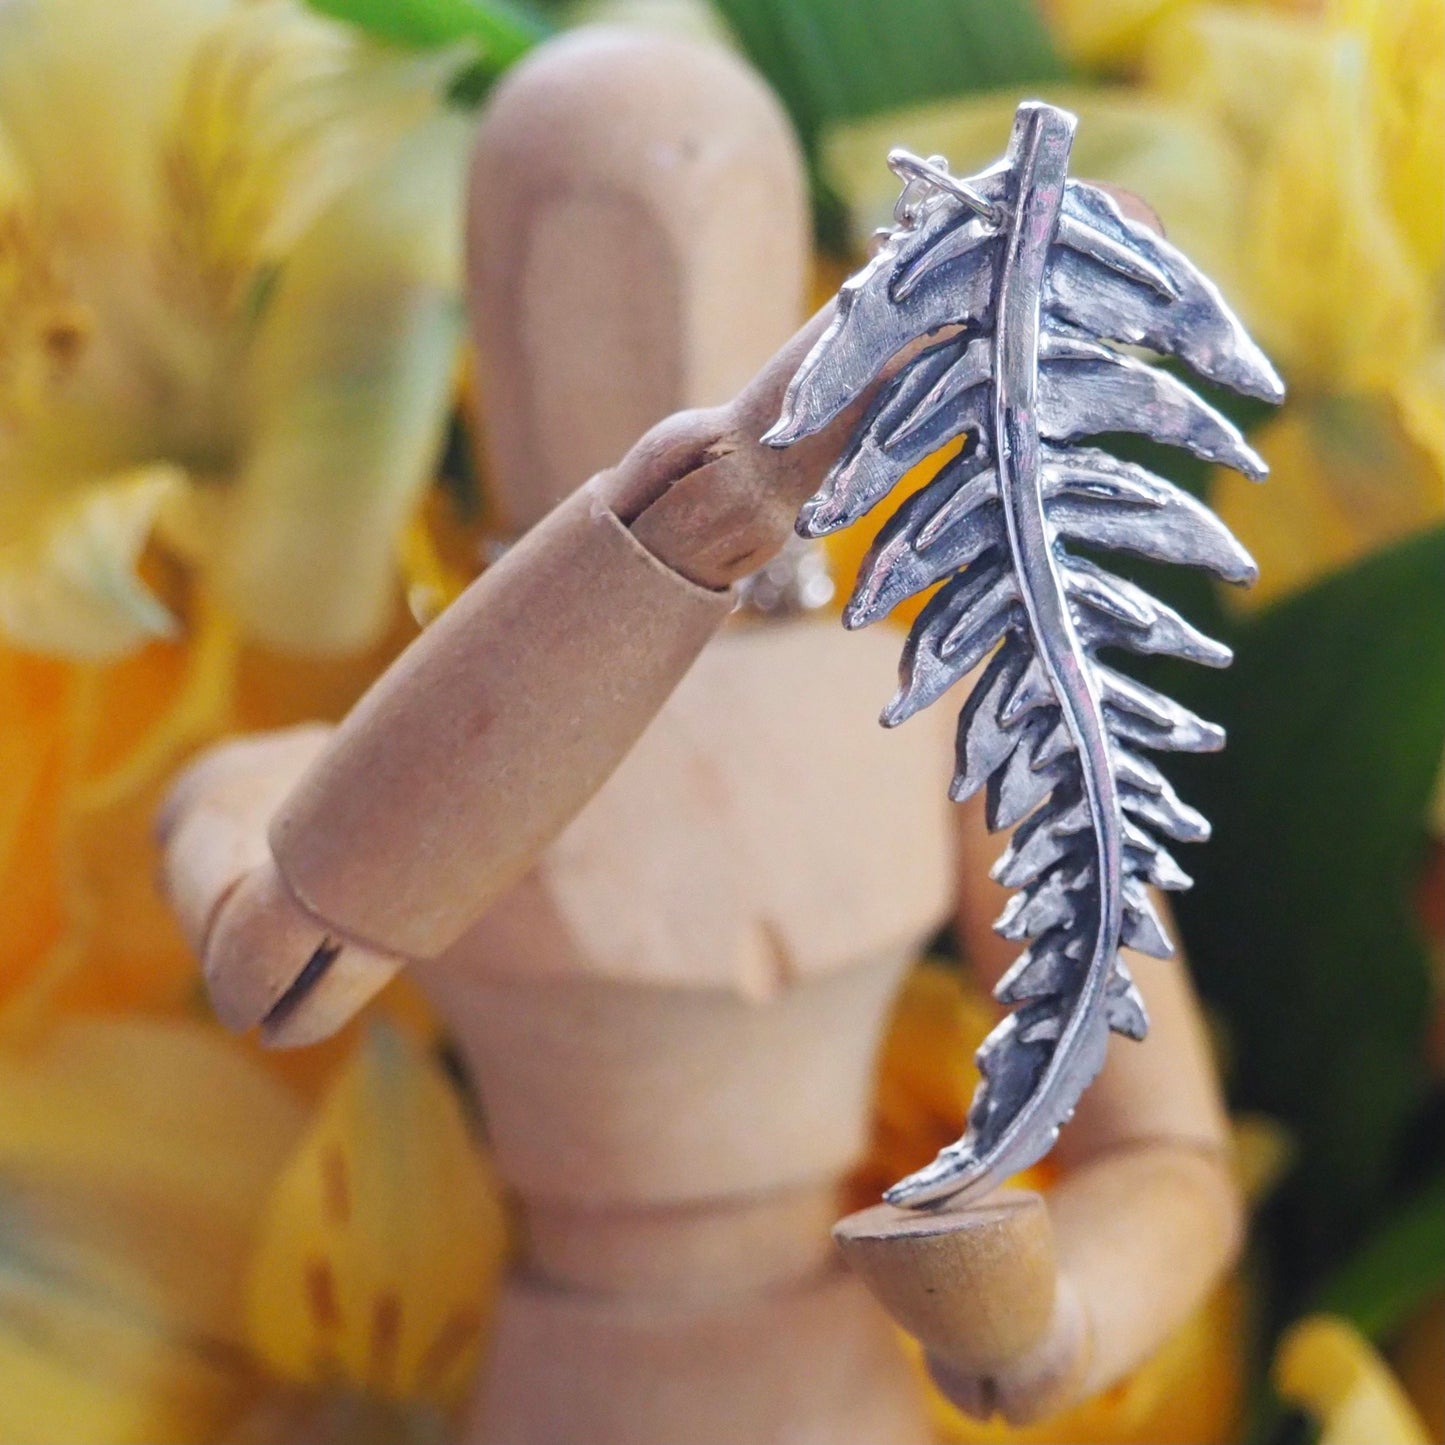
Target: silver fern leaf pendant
(1033, 282)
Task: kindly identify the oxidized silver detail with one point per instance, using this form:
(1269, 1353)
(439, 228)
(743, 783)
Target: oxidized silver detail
(1034, 282)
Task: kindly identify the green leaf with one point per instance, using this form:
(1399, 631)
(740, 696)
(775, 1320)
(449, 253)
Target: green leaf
(1302, 929)
(833, 60)
(1396, 1271)
(502, 30)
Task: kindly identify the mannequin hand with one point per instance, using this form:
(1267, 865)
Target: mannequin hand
(243, 923)
(1027, 1304)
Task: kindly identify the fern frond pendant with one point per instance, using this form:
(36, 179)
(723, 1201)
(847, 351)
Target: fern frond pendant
(1033, 281)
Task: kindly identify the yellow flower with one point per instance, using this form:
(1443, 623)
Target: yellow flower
(1333, 286)
(1404, 43)
(1325, 1366)
(384, 1236)
(1345, 477)
(135, 1157)
(182, 1253)
(1111, 35)
(1343, 117)
(1108, 35)
(84, 755)
(228, 255)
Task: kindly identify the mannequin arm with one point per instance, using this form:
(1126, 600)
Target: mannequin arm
(1053, 1300)
(488, 734)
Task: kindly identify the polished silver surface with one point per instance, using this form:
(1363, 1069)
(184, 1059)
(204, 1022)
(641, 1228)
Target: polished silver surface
(1029, 284)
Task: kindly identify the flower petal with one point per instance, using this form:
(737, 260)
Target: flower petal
(1333, 288)
(1327, 1367)
(349, 384)
(1109, 35)
(171, 1116)
(87, 1352)
(1345, 479)
(135, 1156)
(279, 112)
(1420, 397)
(1239, 64)
(109, 70)
(68, 581)
(1417, 1360)
(1406, 44)
(384, 1237)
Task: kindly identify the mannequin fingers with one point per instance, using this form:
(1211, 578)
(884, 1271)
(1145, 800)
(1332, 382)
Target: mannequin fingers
(212, 824)
(266, 960)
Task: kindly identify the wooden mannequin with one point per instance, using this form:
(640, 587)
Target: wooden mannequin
(670, 995)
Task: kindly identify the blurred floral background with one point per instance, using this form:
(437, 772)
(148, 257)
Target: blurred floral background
(236, 474)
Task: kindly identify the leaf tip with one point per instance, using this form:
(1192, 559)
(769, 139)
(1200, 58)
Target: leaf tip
(782, 433)
(819, 516)
(1251, 464)
(954, 1171)
(897, 710)
(1268, 383)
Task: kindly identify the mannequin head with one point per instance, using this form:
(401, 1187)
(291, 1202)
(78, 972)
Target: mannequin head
(639, 216)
